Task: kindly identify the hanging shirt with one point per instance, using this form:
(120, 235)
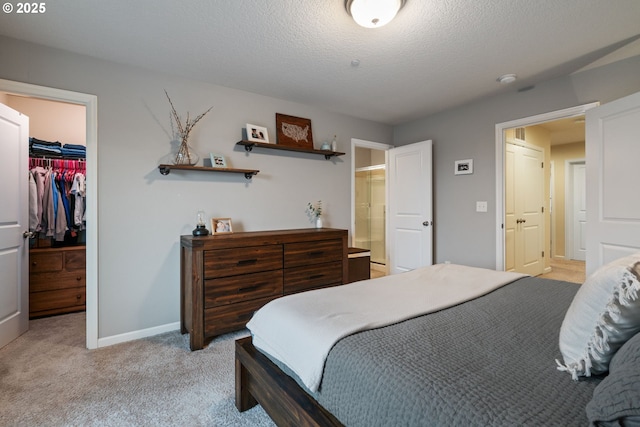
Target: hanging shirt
(39, 178)
(78, 188)
(34, 221)
(48, 211)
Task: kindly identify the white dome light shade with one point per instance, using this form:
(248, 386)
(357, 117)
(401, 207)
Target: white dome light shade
(373, 13)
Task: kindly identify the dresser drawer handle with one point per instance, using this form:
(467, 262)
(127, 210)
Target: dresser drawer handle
(316, 253)
(247, 261)
(79, 278)
(316, 276)
(248, 289)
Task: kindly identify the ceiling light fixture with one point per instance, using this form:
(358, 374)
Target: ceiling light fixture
(506, 79)
(373, 13)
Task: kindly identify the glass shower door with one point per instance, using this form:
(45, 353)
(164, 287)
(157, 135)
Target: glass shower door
(370, 212)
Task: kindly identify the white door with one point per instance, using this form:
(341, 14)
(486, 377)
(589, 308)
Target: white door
(410, 206)
(14, 217)
(613, 175)
(524, 202)
(577, 205)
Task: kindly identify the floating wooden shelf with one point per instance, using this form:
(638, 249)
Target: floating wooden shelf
(248, 173)
(248, 146)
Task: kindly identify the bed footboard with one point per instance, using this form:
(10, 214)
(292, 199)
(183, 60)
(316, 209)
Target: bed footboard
(259, 381)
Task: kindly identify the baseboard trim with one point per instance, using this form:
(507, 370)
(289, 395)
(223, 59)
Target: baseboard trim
(379, 267)
(136, 335)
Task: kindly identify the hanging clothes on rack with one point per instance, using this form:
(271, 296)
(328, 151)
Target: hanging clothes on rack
(57, 209)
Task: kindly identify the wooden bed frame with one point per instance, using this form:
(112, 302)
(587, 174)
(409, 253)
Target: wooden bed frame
(260, 381)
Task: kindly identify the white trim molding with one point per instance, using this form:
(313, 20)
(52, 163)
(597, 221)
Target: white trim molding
(500, 147)
(91, 104)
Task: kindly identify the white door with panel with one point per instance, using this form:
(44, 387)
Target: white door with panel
(577, 211)
(524, 206)
(410, 206)
(613, 176)
(14, 217)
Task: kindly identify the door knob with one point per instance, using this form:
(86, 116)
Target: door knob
(28, 235)
(426, 223)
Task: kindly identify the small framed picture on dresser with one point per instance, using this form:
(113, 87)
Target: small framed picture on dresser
(221, 225)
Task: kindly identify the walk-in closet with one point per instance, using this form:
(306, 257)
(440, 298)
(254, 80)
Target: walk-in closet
(57, 200)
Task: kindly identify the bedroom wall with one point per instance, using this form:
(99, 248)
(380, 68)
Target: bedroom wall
(141, 214)
(463, 235)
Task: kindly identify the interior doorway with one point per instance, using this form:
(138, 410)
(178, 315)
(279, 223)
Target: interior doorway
(370, 225)
(369, 202)
(560, 128)
(90, 104)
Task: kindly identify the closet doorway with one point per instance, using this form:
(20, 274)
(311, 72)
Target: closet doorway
(17, 96)
(369, 202)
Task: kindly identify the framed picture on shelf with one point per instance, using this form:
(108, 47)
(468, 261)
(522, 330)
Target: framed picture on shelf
(257, 133)
(221, 225)
(294, 131)
(463, 167)
(217, 161)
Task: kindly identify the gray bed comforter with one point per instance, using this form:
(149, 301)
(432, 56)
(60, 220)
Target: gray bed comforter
(487, 362)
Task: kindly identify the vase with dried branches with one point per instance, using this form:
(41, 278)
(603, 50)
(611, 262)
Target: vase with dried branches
(185, 155)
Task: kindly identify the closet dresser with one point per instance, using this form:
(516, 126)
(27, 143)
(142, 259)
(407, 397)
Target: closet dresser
(57, 280)
(225, 278)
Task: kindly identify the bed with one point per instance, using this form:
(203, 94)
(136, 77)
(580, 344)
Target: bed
(489, 360)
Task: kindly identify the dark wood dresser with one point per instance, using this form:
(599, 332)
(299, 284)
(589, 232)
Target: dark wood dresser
(225, 278)
(57, 280)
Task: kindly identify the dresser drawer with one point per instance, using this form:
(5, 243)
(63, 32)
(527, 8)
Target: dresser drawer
(233, 289)
(50, 300)
(313, 252)
(75, 260)
(231, 317)
(252, 259)
(41, 262)
(51, 281)
(300, 279)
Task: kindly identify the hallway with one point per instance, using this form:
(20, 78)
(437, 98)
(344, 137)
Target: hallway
(567, 270)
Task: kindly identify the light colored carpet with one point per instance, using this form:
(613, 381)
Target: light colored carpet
(49, 378)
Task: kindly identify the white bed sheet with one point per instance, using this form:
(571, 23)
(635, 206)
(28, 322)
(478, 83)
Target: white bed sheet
(299, 330)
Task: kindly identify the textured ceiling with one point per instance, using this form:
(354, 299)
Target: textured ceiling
(435, 55)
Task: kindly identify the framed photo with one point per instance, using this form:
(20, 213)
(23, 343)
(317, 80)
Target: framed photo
(221, 225)
(217, 161)
(464, 167)
(257, 133)
(294, 131)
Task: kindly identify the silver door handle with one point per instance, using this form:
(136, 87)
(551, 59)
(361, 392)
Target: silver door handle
(28, 235)
(427, 223)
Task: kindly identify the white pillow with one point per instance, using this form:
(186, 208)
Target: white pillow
(603, 315)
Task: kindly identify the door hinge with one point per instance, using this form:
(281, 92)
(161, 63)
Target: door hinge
(542, 254)
(542, 165)
(542, 209)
